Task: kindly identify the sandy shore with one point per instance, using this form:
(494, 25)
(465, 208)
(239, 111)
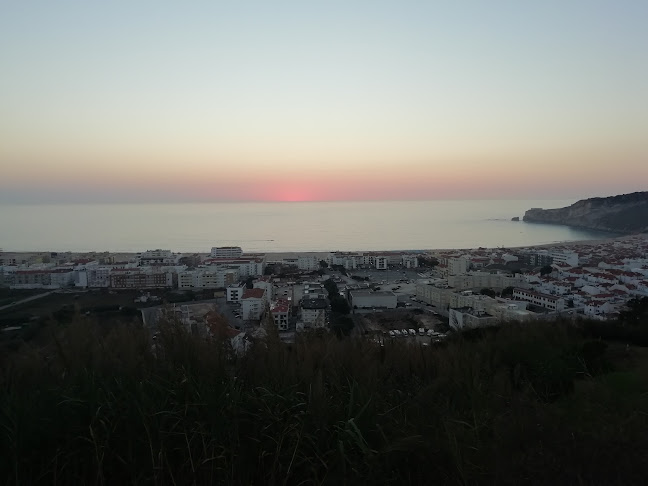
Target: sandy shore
(561, 244)
(123, 256)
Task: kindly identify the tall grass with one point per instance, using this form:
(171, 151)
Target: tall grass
(534, 403)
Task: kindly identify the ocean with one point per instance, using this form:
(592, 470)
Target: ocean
(279, 227)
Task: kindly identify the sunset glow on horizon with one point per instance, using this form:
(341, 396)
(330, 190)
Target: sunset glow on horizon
(287, 102)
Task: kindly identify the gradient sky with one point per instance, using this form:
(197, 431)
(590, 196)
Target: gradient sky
(337, 100)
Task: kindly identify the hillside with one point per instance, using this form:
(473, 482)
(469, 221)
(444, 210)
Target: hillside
(545, 403)
(627, 213)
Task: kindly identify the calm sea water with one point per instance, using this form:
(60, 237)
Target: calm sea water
(277, 226)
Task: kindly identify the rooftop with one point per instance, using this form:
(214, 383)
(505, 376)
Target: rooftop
(253, 293)
(314, 304)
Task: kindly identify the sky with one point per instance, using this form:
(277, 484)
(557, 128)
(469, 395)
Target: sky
(167, 101)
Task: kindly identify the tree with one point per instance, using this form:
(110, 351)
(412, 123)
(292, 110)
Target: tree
(427, 261)
(635, 313)
(249, 283)
(340, 268)
(191, 261)
(339, 305)
(546, 270)
(488, 292)
(331, 288)
(507, 292)
(323, 264)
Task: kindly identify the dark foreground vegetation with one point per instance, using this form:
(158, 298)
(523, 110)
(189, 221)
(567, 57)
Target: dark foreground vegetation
(544, 404)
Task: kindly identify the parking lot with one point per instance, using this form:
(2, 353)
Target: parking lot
(401, 281)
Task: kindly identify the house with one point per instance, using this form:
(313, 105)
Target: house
(313, 312)
(281, 311)
(226, 252)
(367, 299)
(234, 292)
(547, 301)
(253, 304)
(157, 257)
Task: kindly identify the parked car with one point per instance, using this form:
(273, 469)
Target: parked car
(421, 331)
(392, 334)
(412, 332)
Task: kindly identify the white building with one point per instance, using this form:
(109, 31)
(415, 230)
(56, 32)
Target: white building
(43, 278)
(247, 266)
(469, 318)
(234, 292)
(568, 257)
(595, 308)
(349, 261)
(281, 310)
(265, 284)
(140, 278)
(207, 278)
(314, 312)
(485, 280)
(308, 262)
(380, 262)
(98, 276)
(409, 260)
(458, 266)
(253, 304)
(158, 257)
(367, 299)
(551, 302)
(226, 252)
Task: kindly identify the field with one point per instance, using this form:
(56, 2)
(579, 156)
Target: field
(83, 300)
(7, 295)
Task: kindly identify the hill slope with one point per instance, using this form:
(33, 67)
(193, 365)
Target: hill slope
(627, 213)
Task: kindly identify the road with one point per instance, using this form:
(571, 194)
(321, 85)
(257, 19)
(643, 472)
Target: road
(27, 299)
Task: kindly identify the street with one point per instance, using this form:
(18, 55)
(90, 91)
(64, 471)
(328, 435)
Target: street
(27, 299)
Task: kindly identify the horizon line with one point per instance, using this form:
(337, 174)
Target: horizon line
(271, 201)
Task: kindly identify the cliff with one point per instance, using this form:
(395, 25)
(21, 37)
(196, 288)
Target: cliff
(627, 213)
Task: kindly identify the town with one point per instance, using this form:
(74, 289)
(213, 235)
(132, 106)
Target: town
(381, 295)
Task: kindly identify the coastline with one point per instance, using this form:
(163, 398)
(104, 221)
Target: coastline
(288, 254)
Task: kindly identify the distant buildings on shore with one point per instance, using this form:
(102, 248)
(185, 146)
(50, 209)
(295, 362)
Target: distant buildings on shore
(480, 287)
(470, 287)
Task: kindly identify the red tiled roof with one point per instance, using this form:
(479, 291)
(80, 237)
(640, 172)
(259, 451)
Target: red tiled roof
(280, 307)
(253, 293)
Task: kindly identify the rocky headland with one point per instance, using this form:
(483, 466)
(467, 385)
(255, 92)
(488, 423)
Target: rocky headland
(627, 213)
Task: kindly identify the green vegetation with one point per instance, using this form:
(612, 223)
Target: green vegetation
(7, 295)
(339, 304)
(488, 292)
(428, 262)
(545, 403)
(507, 292)
(340, 268)
(331, 287)
(341, 324)
(636, 313)
(546, 270)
